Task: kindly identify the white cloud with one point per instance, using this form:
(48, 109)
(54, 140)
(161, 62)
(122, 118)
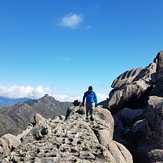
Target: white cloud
(71, 20)
(101, 96)
(66, 97)
(20, 91)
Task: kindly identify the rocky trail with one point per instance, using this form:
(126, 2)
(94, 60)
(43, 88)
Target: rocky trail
(71, 140)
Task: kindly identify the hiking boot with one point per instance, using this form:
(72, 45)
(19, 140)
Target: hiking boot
(91, 118)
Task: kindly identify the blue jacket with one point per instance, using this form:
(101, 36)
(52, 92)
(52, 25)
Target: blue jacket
(90, 98)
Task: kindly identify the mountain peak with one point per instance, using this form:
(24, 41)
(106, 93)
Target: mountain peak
(14, 118)
(47, 97)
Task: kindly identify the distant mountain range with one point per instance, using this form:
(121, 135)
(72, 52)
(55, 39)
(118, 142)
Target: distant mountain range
(5, 101)
(13, 119)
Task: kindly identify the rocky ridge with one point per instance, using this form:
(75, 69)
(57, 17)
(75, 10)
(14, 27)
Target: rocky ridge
(66, 141)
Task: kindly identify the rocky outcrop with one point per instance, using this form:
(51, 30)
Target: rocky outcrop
(154, 117)
(72, 140)
(148, 133)
(129, 95)
(134, 75)
(157, 78)
(9, 142)
(131, 86)
(41, 127)
(136, 103)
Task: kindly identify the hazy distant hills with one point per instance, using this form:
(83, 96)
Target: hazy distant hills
(14, 118)
(5, 101)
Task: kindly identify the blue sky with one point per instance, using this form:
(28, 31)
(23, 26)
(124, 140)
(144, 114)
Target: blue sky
(64, 46)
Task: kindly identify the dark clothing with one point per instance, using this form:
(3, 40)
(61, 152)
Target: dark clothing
(89, 109)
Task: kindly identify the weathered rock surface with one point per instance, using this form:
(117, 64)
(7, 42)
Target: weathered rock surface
(128, 77)
(129, 116)
(157, 78)
(73, 140)
(129, 95)
(136, 103)
(131, 86)
(149, 132)
(9, 142)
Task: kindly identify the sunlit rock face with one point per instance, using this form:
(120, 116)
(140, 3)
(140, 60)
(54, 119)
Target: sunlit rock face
(130, 87)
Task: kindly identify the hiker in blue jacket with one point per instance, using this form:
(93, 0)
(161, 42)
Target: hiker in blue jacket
(90, 99)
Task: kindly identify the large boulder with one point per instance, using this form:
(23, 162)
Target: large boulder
(129, 95)
(125, 153)
(8, 142)
(133, 75)
(129, 116)
(41, 127)
(131, 87)
(140, 130)
(147, 134)
(127, 78)
(124, 121)
(156, 156)
(154, 117)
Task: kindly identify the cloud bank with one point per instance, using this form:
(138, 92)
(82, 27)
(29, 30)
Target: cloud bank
(20, 91)
(71, 20)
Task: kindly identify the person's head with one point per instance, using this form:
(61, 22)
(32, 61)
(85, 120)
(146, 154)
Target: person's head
(90, 88)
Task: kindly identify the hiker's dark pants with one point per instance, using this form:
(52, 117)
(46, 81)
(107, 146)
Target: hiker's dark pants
(89, 109)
